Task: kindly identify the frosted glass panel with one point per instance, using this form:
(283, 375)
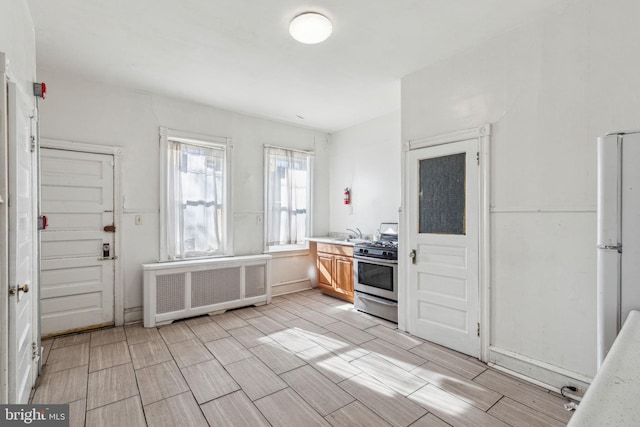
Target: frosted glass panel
(442, 194)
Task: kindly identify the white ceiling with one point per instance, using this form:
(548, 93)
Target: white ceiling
(238, 55)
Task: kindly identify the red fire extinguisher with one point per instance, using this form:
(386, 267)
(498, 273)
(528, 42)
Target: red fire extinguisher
(347, 196)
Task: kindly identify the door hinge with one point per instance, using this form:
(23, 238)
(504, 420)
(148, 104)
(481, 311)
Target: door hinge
(478, 158)
(34, 351)
(478, 330)
(33, 143)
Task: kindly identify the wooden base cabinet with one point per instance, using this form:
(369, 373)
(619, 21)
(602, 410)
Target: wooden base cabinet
(335, 270)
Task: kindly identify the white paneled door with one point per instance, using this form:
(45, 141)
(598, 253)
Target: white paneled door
(22, 360)
(77, 249)
(443, 229)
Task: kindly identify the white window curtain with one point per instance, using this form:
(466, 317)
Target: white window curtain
(195, 199)
(288, 196)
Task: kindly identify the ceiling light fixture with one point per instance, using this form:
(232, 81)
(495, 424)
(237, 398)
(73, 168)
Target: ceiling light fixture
(310, 28)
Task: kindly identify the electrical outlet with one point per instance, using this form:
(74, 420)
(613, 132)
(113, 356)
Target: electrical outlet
(138, 219)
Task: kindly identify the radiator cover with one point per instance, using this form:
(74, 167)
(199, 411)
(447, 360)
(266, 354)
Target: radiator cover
(176, 290)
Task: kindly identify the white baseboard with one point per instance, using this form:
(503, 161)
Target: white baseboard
(290, 286)
(535, 371)
(132, 315)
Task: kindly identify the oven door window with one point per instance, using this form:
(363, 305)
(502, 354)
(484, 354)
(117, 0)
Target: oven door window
(376, 275)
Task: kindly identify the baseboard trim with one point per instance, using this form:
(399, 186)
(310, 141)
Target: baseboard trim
(132, 315)
(537, 372)
(290, 286)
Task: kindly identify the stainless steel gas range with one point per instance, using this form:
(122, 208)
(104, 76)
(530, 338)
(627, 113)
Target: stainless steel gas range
(376, 274)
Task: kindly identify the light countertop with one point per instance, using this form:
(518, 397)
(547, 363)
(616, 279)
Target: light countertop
(613, 396)
(336, 240)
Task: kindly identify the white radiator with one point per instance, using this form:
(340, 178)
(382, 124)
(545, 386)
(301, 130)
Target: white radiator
(176, 290)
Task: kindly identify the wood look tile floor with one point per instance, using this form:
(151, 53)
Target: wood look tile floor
(306, 359)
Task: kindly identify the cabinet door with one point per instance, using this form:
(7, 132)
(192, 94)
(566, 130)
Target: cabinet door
(325, 268)
(343, 275)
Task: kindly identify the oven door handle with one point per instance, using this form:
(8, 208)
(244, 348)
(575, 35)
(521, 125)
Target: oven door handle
(372, 260)
(378, 300)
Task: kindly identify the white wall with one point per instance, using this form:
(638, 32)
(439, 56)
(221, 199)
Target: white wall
(365, 158)
(18, 42)
(549, 89)
(84, 111)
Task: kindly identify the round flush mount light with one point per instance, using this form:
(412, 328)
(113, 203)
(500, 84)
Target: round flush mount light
(310, 28)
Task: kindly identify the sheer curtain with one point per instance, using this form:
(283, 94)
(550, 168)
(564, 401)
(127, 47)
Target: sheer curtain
(288, 195)
(195, 184)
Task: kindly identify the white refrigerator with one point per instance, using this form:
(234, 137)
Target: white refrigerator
(618, 235)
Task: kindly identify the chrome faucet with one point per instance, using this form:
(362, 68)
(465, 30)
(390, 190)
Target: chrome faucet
(358, 233)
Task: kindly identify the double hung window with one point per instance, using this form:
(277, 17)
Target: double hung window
(288, 183)
(195, 204)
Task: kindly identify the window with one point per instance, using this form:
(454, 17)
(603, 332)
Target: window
(194, 196)
(443, 194)
(287, 197)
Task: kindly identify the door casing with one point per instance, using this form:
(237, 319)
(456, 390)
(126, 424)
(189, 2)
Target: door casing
(482, 134)
(4, 238)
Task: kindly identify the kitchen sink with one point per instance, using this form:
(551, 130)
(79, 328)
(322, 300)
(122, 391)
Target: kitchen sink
(350, 240)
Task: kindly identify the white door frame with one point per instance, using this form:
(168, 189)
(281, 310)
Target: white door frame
(117, 153)
(4, 237)
(482, 134)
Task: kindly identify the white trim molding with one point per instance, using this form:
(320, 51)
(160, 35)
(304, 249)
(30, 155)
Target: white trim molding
(535, 371)
(4, 236)
(80, 146)
(461, 135)
(133, 315)
(118, 154)
(484, 157)
(291, 286)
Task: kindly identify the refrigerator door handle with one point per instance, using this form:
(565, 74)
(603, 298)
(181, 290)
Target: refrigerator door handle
(610, 247)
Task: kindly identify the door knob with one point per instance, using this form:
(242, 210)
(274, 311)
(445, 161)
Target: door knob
(412, 255)
(24, 288)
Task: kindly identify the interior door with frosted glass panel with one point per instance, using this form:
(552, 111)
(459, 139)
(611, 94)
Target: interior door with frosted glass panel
(443, 232)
